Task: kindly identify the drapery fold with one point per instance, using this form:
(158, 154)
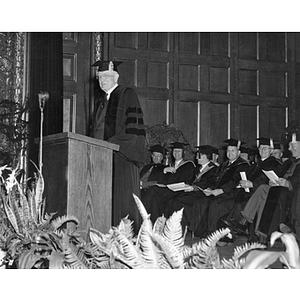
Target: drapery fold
(46, 74)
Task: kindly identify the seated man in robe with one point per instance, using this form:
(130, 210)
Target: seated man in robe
(221, 197)
(283, 189)
(205, 178)
(152, 173)
(181, 170)
(255, 176)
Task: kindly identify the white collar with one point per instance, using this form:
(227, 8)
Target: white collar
(203, 166)
(110, 91)
(178, 162)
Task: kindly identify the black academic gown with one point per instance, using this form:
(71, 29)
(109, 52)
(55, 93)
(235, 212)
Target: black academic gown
(204, 179)
(257, 177)
(120, 121)
(281, 201)
(155, 198)
(150, 175)
(228, 179)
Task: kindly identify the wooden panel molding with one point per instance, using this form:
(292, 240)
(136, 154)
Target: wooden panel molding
(219, 78)
(157, 109)
(219, 44)
(70, 67)
(189, 42)
(69, 113)
(277, 120)
(189, 77)
(158, 74)
(276, 83)
(188, 121)
(159, 41)
(249, 124)
(126, 40)
(248, 45)
(249, 82)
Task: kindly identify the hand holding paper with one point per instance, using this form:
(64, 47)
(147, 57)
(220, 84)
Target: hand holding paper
(272, 176)
(244, 177)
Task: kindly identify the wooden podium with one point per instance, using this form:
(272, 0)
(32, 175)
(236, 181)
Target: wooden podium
(78, 179)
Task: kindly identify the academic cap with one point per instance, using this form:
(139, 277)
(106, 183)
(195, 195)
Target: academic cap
(215, 150)
(234, 143)
(107, 65)
(205, 149)
(277, 146)
(266, 141)
(178, 145)
(157, 148)
(245, 150)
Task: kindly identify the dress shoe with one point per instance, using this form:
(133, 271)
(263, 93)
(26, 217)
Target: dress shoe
(236, 227)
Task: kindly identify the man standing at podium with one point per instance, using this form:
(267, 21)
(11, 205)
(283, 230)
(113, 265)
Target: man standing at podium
(118, 119)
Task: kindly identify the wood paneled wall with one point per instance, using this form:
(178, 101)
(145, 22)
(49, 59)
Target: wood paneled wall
(210, 85)
(213, 85)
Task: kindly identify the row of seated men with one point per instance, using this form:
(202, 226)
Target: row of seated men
(218, 196)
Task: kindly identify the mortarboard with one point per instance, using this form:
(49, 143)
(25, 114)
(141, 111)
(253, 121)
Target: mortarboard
(234, 143)
(157, 148)
(265, 141)
(291, 133)
(106, 65)
(245, 150)
(177, 145)
(277, 146)
(205, 149)
(215, 150)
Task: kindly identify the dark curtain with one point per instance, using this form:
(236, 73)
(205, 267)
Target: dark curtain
(46, 74)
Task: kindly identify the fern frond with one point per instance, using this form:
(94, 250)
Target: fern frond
(116, 261)
(102, 241)
(128, 251)
(75, 257)
(45, 222)
(172, 231)
(204, 254)
(146, 226)
(241, 250)
(186, 251)
(159, 225)
(141, 207)
(60, 221)
(170, 251)
(126, 228)
(148, 250)
(237, 261)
